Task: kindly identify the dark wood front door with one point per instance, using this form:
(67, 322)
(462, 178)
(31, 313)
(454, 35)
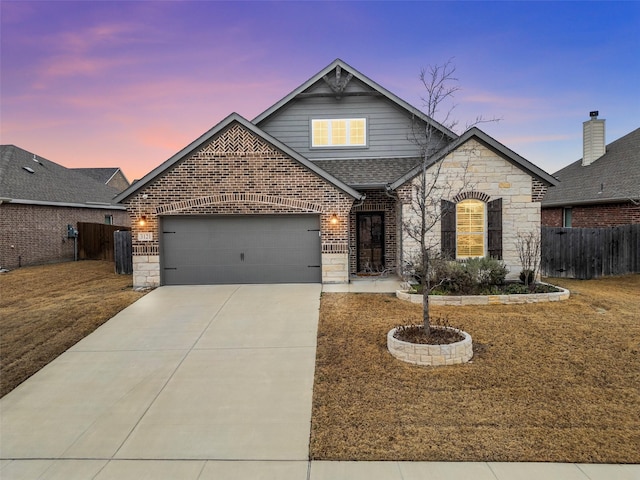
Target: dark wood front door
(370, 238)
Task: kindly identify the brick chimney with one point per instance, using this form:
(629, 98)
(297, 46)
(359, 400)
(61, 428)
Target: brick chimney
(593, 141)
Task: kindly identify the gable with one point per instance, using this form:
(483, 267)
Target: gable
(481, 141)
(238, 167)
(234, 137)
(337, 92)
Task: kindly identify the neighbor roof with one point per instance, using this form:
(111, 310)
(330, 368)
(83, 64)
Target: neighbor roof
(364, 79)
(31, 179)
(611, 178)
(100, 174)
(234, 117)
(492, 144)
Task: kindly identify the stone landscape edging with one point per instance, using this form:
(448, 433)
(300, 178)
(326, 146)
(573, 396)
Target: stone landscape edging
(432, 355)
(511, 299)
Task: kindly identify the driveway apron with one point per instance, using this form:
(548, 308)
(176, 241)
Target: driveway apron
(212, 373)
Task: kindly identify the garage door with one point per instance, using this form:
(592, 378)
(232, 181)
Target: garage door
(240, 249)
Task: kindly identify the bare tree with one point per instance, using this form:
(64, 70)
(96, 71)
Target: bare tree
(433, 184)
(528, 246)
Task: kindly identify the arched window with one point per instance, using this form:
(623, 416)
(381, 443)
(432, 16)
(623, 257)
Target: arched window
(470, 228)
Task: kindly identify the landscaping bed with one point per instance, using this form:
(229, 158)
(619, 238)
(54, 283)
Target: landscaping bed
(47, 309)
(550, 382)
(547, 293)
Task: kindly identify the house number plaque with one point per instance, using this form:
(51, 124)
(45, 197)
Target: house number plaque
(145, 236)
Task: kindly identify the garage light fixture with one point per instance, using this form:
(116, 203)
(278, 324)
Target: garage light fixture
(333, 219)
(143, 221)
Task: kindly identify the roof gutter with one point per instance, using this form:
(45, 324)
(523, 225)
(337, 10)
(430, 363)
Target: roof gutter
(597, 201)
(102, 206)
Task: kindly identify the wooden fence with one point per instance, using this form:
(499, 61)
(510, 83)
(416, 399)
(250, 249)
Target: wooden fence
(122, 249)
(585, 253)
(95, 241)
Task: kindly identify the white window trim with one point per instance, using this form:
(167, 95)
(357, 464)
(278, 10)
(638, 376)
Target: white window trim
(346, 145)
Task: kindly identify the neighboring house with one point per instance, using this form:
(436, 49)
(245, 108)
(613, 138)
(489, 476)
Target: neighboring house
(600, 190)
(315, 189)
(112, 176)
(39, 199)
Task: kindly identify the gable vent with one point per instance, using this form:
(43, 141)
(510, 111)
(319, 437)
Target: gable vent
(29, 169)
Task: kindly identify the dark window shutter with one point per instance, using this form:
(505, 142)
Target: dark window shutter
(494, 227)
(448, 229)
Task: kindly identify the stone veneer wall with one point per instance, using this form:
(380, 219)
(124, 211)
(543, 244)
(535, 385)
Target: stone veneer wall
(489, 174)
(237, 173)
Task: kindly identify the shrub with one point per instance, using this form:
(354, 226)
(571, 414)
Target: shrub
(516, 288)
(487, 271)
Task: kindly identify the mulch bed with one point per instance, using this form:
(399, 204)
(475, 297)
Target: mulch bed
(554, 382)
(436, 336)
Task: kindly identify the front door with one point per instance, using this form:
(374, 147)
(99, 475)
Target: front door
(370, 238)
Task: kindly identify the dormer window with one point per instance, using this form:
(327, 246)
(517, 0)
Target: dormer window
(339, 132)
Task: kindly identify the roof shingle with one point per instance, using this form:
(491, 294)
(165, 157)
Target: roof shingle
(363, 173)
(613, 177)
(45, 181)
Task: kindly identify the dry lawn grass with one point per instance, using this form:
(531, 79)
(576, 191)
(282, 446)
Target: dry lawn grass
(47, 309)
(554, 382)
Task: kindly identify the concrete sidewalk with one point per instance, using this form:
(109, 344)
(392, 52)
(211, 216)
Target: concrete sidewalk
(204, 382)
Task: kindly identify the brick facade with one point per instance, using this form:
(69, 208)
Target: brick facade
(594, 216)
(35, 234)
(377, 201)
(238, 173)
(538, 190)
(551, 217)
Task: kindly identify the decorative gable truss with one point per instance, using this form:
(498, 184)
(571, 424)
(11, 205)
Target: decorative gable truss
(337, 84)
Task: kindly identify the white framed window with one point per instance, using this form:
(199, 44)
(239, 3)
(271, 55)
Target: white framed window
(470, 228)
(339, 132)
(108, 219)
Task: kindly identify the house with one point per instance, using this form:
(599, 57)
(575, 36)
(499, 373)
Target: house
(112, 176)
(39, 200)
(600, 190)
(316, 188)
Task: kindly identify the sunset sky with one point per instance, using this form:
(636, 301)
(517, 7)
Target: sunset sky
(129, 83)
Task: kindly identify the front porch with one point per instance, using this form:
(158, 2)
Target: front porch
(374, 236)
(369, 284)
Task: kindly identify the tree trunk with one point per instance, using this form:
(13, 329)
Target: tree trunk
(425, 310)
(426, 287)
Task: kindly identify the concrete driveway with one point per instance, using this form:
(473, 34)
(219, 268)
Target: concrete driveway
(210, 373)
(203, 383)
